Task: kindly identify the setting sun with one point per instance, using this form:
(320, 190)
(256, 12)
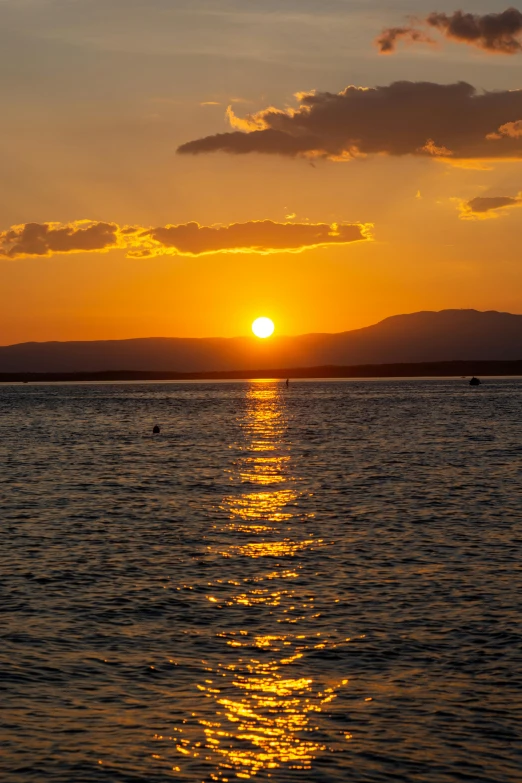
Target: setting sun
(263, 327)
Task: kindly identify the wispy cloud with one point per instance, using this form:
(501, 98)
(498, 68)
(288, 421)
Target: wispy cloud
(387, 41)
(448, 121)
(188, 239)
(496, 33)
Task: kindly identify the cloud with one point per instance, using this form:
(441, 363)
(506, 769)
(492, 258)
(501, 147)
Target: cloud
(512, 130)
(484, 207)
(188, 239)
(494, 33)
(498, 33)
(262, 236)
(405, 118)
(388, 39)
(45, 239)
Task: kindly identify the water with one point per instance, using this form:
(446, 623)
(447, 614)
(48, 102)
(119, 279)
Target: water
(314, 584)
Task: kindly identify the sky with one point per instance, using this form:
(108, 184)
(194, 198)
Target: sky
(181, 167)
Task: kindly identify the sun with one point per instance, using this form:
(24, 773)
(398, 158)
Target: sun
(263, 327)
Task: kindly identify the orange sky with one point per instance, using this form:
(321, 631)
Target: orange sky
(96, 103)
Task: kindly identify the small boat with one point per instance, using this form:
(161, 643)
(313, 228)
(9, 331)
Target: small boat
(474, 382)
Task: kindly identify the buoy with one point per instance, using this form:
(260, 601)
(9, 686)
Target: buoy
(156, 430)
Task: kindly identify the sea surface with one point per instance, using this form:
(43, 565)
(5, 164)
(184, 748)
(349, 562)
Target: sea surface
(320, 583)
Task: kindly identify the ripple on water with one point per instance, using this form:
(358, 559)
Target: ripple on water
(315, 583)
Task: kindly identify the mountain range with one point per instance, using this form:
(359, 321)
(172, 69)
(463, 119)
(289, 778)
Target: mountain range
(448, 335)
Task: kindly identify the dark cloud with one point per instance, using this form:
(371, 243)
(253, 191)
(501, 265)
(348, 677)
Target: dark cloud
(495, 33)
(44, 239)
(487, 206)
(452, 121)
(387, 41)
(268, 140)
(260, 236)
(263, 236)
(492, 32)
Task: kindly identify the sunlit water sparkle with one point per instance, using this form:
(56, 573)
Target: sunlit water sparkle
(319, 583)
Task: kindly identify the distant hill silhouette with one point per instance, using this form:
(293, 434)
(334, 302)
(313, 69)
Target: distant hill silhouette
(449, 335)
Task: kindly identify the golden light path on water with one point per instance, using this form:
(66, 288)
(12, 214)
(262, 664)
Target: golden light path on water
(177, 608)
(262, 710)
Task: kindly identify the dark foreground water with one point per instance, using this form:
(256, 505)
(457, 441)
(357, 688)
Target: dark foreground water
(315, 584)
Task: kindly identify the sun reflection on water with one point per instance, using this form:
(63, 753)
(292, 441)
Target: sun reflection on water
(263, 705)
(265, 463)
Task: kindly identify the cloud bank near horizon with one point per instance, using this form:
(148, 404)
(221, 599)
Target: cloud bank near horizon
(495, 33)
(32, 240)
(446, 121)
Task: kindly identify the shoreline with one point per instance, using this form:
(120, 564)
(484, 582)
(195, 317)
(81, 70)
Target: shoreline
(452, 369)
